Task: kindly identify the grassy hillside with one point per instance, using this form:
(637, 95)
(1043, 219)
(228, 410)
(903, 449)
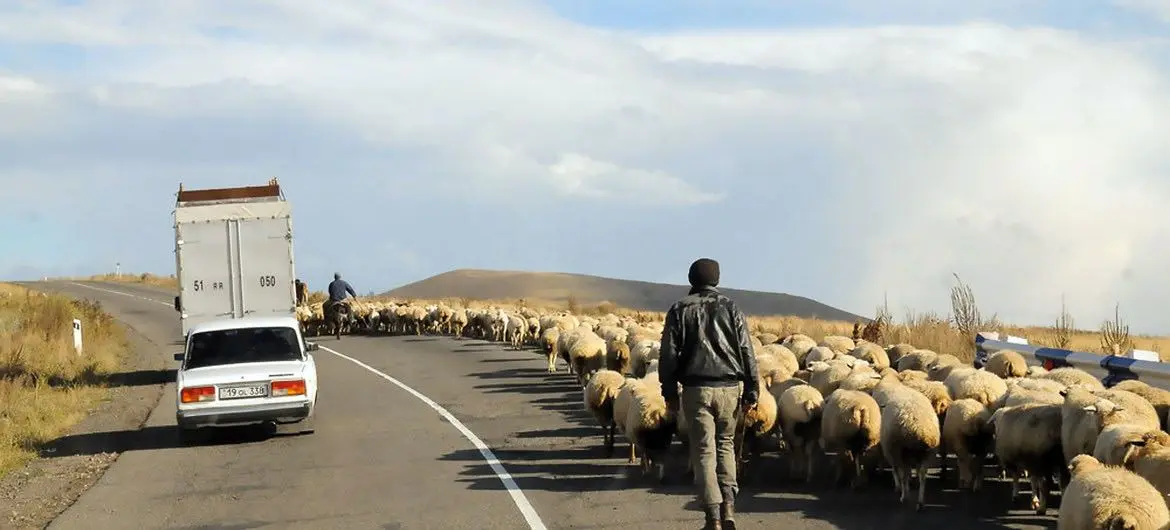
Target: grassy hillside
(584, 289)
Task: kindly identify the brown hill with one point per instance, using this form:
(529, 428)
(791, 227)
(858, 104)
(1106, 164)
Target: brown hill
(557, 287)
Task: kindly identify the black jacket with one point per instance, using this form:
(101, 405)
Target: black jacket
(706, 343)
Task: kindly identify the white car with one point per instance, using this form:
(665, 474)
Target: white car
(242, 371)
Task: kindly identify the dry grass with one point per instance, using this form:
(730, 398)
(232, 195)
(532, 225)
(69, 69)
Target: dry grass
(45, 386)
(146, 278)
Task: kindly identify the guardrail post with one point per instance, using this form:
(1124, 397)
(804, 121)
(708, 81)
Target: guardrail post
(77, 336)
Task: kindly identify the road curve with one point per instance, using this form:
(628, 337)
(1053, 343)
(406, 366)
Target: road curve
(384, 457)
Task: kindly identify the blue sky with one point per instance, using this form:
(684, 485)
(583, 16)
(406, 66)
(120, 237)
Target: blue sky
(839, 150)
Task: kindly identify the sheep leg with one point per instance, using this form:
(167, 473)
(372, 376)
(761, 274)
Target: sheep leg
(1015, 475)
(1039, 493)
(965, 464)
(977, 471)
(921, 487)
(552, 363)
(609, 439)
(808, 462)
(633, 457)
(903, 474)
(942, 458)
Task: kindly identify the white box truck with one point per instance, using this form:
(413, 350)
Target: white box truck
(233, 254)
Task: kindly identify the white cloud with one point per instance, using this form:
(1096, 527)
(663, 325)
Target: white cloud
(1157, 8)
(1028, 160)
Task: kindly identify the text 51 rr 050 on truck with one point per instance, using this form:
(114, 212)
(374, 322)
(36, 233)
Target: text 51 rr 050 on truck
(233, 254)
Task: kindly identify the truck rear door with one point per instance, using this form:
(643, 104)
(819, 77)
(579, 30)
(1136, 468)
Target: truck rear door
(206, 290)
(266, 266)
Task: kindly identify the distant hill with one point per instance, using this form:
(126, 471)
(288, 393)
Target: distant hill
(556, 287)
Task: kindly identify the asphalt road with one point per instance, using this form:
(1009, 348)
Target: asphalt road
(383, 458)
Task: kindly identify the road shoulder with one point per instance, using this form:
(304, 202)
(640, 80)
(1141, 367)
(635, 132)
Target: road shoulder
(35, 494)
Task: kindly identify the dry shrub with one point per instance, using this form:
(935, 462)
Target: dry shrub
(169, 282)
(45, 386)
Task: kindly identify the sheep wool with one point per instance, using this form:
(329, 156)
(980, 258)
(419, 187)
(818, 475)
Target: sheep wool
(600, 393)
(1109, 497)
(1157, 397)
(980, 385)
(1007, 363)
(800, 408)
(1116, 441)
(1069, 376)
(1150, 458)
(851, 425)
(871, 353)
(910, 435)
(966, 432)
(1028, 439)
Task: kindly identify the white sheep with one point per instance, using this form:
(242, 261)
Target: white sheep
(871, 353)
(1007, 363)
(1157, 397)
(1150, 458)
(966, 431)
(549, 339)
(587, 355)
(980, 385)
(800, 408)
(840, 344)
(1028, 440)
(600, 393)
(800, 345)
(1069, 376)
(896, 351)
(758, 423)
(916, 360)
(1116, 441)
(1109, 497)
(910, 434)
(817, 354)
(649, 425)
(851, 426)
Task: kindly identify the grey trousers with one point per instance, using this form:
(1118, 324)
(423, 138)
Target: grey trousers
(711, 412)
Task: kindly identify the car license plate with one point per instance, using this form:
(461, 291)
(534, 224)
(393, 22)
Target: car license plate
(240, 392)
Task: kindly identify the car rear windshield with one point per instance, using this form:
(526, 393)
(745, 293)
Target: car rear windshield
(246, 345)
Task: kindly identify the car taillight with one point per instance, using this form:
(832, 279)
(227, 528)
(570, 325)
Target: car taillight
(296, 387)
(1049, 364)
(197, 394)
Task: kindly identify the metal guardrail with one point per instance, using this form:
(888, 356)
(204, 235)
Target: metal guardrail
(1110, 369)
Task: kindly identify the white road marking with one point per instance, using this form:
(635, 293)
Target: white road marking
(518, 497)
(534, 521)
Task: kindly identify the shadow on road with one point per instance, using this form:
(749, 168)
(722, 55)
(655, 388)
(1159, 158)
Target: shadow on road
(575, 462)
(152, 438)
(141, 378)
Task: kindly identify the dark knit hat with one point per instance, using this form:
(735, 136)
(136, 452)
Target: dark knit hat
(704, 273)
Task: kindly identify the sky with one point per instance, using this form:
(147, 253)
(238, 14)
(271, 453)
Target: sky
(848, 151)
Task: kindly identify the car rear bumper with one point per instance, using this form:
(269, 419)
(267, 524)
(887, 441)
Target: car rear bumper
(244, 414)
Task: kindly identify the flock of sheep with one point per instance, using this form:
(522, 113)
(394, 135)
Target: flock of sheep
(869, 407)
